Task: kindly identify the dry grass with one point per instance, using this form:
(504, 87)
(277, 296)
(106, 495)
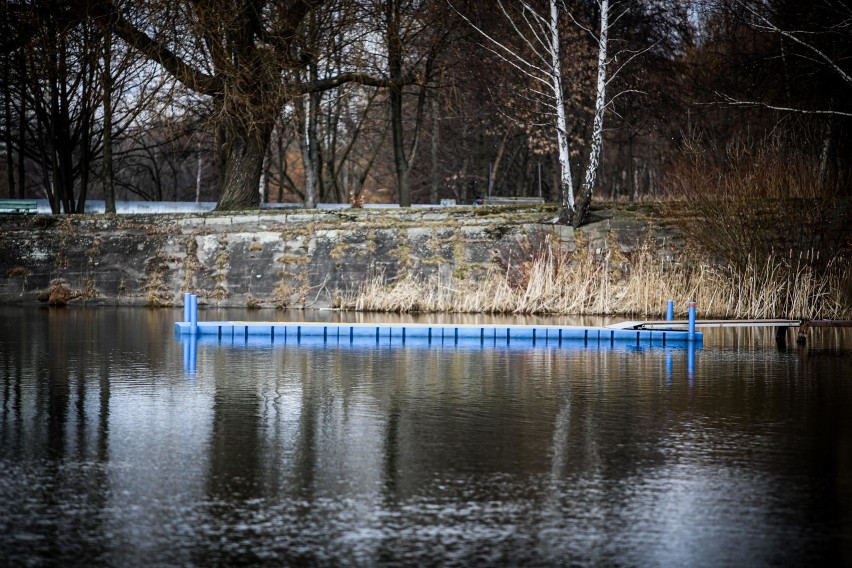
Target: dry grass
(552, 281)
(60, 294)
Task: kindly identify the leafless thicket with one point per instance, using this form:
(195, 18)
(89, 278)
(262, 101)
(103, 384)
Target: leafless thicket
(412, 100)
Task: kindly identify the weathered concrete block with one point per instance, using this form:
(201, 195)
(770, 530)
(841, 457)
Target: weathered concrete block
(480, 252)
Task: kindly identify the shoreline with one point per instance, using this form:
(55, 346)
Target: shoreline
(498, 260)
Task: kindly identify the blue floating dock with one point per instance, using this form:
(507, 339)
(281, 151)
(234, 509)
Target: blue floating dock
(426, 333)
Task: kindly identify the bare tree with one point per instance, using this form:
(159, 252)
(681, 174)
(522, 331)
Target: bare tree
(537, 54)
(247, 57)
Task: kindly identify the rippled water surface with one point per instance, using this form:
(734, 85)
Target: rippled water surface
(113, 453)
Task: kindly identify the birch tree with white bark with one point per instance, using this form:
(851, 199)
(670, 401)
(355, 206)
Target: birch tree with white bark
(539, 56)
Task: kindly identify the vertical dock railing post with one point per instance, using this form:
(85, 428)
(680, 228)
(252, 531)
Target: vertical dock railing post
(193, 314)
(670, 310)
(187, 306)
(691, 328)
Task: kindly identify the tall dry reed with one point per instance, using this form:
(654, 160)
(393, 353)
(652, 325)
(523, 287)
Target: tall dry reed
(553, 281)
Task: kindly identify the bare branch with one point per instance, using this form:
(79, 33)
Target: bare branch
(770, 26)
(358, 77)
(520, 69)
(509, 54)
(542, 57)
(752, 104)
(156, 51)
(633, 55)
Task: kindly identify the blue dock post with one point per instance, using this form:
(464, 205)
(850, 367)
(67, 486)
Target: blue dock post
(187, 306)
(691, 328)
(193, 314)
(670, 310)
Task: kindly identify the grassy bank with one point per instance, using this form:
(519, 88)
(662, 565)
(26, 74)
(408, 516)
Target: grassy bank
(552, 281)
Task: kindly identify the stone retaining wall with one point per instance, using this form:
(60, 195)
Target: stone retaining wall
(284, 258)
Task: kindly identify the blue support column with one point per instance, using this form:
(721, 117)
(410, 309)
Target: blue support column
(691, 328)
(187, 306)
(193, 314)
(670, 310)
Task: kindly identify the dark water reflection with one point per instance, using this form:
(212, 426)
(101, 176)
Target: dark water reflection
(112, 454)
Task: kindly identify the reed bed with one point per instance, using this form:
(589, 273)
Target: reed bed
(552, 281)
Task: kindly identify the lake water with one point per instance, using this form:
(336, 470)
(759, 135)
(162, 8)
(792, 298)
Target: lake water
(113, 452)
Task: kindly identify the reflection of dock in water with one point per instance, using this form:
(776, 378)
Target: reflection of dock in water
(341, 335)
(622, 335)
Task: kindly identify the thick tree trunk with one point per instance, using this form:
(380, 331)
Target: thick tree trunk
(243, 164)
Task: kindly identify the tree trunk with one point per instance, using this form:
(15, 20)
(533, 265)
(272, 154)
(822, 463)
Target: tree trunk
(109, 178)
(244, 149)
(825, 152)
(282, 163)
(631, 171)
(462, 180)
(7, 116)
(494, 167)
(219, 153)
(313, 140)
(436, 172)
(198, 175)
(566, 184)
(330, 153)
(303, 110)
(394, 47)
(400, 165)
(22, 129)
(582, 210)
(264, 178)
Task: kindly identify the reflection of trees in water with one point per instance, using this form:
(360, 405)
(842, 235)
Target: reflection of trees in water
(561, 430)
(53, 426)
(306, 455)
(235, 446)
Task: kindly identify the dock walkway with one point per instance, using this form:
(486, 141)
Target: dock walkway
(682, 324)
(420, 332)
(781, 326)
